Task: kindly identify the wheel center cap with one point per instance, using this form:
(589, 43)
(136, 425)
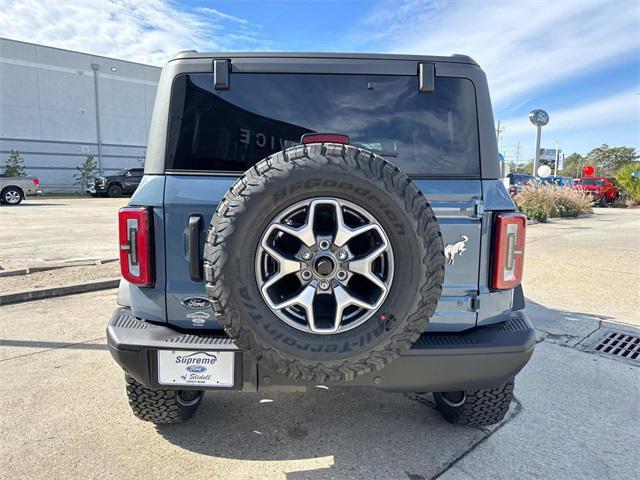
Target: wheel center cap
(324, 266)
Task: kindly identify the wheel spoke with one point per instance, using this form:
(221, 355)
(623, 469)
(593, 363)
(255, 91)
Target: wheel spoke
(363, 266)
(303, 299)
(344, 233)
(286, 266)
(343, 300)
(303, 233)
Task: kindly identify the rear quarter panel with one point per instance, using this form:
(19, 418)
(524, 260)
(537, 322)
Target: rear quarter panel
(149, 302)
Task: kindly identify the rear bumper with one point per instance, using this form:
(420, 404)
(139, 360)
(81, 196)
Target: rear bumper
(94, 189)
(480, 358)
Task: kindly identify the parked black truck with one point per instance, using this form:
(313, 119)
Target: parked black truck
(124, 182)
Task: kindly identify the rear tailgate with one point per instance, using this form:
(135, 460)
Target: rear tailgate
(188, 197)
(455, 203)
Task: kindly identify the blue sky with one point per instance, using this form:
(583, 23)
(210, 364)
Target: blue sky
(578, 59)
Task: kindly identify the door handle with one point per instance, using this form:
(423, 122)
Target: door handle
(193, 240)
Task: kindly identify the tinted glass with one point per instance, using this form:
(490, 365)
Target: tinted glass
(592, 181)
(230, 130)
(519, 178)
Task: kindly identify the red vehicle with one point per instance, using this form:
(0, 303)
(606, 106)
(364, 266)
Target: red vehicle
(602, 189)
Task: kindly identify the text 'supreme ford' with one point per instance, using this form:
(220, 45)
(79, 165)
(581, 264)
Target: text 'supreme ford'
(321, 219)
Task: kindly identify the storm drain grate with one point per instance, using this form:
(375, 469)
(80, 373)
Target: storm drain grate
(618, 344)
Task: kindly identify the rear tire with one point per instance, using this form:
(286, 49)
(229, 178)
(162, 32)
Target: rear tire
(475, 408)
(160, 406)
(11, 196)
(114, 191)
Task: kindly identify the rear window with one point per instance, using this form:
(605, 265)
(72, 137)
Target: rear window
(592, 181)
(230, 130)
(515, 178)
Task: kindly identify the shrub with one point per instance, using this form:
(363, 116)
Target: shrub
(571, 203)
(552, 202)
(14, 166)
(630, 185)
(86, 172)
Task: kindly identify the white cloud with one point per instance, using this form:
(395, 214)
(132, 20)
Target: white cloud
(619, 109)
(147, 31)
(217, 13)
(524, 46)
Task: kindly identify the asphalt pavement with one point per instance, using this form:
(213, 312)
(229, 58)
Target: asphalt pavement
(54, 229)
(588, 265)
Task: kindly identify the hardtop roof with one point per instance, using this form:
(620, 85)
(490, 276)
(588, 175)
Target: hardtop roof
(455, 58)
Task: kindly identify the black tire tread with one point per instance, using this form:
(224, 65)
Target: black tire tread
(481, 407)
(348, 158)
(156, 405)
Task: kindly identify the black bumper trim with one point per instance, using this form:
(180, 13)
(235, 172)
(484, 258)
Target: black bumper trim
(482, 357)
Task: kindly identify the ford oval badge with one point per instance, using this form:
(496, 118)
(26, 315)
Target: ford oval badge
(196, 368)
(196, 302)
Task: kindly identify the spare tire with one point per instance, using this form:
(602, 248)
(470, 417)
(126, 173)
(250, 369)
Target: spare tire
(324, 261)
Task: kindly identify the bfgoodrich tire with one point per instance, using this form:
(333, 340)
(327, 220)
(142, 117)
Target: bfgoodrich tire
(161, 406)
(340, 173)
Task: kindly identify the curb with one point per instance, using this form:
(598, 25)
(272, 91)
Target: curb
(49, 292)
(55, 266)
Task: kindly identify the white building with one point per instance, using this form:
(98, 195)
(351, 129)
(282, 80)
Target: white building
(49, 112)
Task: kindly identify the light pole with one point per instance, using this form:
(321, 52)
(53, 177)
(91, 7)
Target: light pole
(95, 67)
(555, 167)
(539, 118)
(498, 132)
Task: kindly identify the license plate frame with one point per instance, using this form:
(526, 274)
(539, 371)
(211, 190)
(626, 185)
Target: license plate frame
(196, 368)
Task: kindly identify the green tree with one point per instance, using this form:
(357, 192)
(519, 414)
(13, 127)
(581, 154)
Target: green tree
(573, 165)
(625, 178)
(608, 160)
(86, 172)
(521, 167)
(14, 167)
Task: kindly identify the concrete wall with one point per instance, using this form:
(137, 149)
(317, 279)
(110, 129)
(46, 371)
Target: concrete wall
(48, 110)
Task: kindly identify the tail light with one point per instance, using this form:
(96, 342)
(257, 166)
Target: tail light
(36, 182)
(508, 250)
(324, 138)
(136, 255)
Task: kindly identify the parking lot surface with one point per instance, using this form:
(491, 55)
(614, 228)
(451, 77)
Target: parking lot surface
(65, 415)
(53, 229)
(576, 414)
(587, 265)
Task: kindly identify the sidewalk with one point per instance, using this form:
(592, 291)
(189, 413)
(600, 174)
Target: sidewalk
(579, 415)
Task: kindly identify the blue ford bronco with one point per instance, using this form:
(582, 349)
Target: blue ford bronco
(321, 219)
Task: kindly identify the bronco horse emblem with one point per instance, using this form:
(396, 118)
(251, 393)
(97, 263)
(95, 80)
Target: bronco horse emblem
(453, 248)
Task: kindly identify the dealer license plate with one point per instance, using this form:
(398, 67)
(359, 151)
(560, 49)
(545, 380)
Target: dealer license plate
(193, 368)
